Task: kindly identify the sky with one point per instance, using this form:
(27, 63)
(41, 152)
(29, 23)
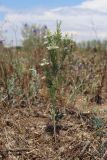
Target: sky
(21, 4)
(84, 19)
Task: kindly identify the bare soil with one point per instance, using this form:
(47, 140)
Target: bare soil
(24, 134)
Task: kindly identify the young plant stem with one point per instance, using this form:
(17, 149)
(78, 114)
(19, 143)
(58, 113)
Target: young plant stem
(54, 123)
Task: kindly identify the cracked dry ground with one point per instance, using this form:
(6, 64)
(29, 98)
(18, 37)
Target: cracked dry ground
(23, 135)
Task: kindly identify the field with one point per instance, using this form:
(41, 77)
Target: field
(53, 98)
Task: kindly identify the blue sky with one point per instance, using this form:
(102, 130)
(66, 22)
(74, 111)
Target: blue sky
(20, 4)
(81, 18)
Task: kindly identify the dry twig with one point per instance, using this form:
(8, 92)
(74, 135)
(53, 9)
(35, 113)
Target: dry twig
(85, 148)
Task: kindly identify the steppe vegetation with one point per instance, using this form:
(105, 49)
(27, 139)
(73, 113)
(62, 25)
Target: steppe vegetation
(53, 97)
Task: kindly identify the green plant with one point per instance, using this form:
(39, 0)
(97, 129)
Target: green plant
(34, 83)
(58, 48)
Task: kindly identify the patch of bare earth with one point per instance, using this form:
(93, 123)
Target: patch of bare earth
(23, 135)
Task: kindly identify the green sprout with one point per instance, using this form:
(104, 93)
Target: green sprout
(58, 48)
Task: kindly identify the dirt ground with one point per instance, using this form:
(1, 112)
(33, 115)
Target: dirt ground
(26, 133)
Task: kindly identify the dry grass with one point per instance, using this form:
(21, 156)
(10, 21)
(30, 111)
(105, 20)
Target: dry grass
(26, 131)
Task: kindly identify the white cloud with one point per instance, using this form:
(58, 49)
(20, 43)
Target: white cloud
(87, 20)
(100, 5)
(4, 9)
